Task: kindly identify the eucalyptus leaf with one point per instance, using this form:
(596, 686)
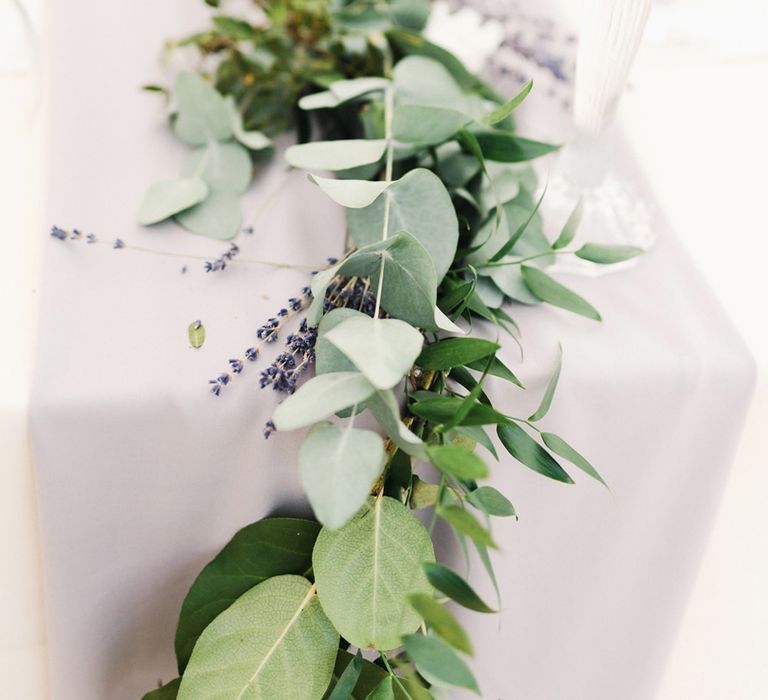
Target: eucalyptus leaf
(454, 352)
(354, 194)
(266, 548)
(254, 140)
(335, 155)
(383, 406)
(382, 349)
(202, 113)
(570, 227)
(455, 587)
(320, 397)
(217, 217)
(528, 452)
(225, 166)
(328, 358)
(562, 448)
(551, 291)
(607, 254)
(167, 692)
(466, 523)
(417, 192)
(339, 467)
(441, 621)
(245, 651)
(488, 500)
(419, 80)
(164, 199)
(426, 125)
(549, 392)
(341, 91)
(365, 570)
(438, 663)
(503, 111)
(457, 462)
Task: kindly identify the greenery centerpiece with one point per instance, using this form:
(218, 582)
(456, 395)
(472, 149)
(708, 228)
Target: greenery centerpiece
(443, 230)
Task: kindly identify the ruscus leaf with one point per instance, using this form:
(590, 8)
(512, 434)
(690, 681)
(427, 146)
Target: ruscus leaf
(528, 452)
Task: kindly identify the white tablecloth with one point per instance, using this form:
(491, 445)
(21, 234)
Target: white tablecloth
(142, 475)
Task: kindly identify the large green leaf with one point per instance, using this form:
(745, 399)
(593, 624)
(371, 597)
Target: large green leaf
(438, 663)
(509, 148)
(224, 166)
(365, 570)
(259, 551)
(339, 466)
(382, 349)
(164, 199)
(426, 125)
(420, 80)
(417, 192)
(272, 643)
(167, 692)
(328, 358)
(335, 155)
(202, 114)
(551, 291)
(320, 397)
(218, 216)
(527, 451)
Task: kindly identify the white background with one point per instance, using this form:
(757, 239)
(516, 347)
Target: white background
(697, 115)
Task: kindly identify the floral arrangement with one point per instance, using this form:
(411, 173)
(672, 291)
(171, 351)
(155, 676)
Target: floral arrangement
(443, 230)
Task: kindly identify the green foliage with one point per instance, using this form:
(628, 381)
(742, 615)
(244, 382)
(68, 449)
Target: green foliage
(455, 587)
(246, 650)
(365, 570)
(170, 197)
(438, 663)
(551, 291)
(167, 692)
(528, 452)
(441, 621)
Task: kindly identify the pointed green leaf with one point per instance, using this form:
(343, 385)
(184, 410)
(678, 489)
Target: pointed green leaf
(224, 166)
(466, 523)
(438, 663)
(478, 434)
(488, 500)
(457, 462)
(549, 392)
(218, 216)
(164, 199)
(267, 548)
(365, 570)
(442, 409)
(454, 352)
(348, 679)
(339, 467)
(371, 677)
(168, 692)
(383, 691)
(507, 148)
(354, 194)
(382, 349)
(562, 448)
(320, 397)
(245, 651)
(335, 155)
(455, 587)
(409, 197)
(503, 111)
(441, 621)
(497, 369)
(570, 227)
(527, 451)
(551, 291)
(608, 254)
(202, 114)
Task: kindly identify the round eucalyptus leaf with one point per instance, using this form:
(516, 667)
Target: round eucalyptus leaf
(335, 155)
(320, 397)
(164, 199)
(339, 466)
(254, 140)
(224, 166)
(423, 81)
(218, 216)
(382, 349)
(426, 125)
(365, 571)
(202, 114)
(328, 358)
(273, 643)
(410, 198)
(353, 194)
(383, 406)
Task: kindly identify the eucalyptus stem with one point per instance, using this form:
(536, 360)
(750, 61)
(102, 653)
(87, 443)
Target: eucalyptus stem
(388, 109)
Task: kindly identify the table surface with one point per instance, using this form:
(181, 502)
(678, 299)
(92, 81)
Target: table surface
(145, 376)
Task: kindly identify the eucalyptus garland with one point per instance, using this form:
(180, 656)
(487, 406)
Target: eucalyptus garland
(444, 230)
